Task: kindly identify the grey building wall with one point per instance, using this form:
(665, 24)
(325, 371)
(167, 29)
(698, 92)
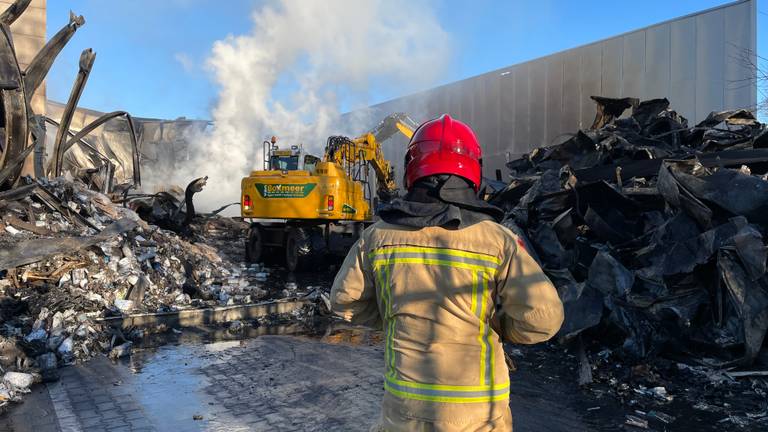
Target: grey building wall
(695, 61)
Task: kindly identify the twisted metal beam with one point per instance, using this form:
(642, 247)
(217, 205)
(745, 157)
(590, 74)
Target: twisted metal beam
(86, 63)
(100, 121)
(41, 64)
(14, 105)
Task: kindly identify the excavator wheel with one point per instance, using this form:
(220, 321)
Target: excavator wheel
(291, 250)
(299, 249)
(253, 246)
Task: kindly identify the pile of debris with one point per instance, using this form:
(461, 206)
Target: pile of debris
(654, 232)
(70, 257)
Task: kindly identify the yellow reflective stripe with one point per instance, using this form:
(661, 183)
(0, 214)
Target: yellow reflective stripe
(443, 251)
(480, 337)
(486, 331)
(379, 273)
(432, 261)
(474, 293)
(387, 317)
(495, 387)
(388, 285)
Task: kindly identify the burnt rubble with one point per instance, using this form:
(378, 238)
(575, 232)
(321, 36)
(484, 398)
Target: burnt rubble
(653, 231)
(71, 260)
(90, 264)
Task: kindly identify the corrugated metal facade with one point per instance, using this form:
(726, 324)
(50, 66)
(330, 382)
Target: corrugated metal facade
(694, 61)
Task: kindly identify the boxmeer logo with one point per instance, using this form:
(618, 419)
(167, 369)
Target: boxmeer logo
(284, 190)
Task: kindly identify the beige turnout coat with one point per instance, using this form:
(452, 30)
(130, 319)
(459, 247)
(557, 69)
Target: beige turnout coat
(446, 299)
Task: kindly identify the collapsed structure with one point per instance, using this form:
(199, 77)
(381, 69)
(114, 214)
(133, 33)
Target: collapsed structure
(652, 230)
(77, 250)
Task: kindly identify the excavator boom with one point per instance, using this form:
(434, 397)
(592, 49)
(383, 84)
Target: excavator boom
(366, 149)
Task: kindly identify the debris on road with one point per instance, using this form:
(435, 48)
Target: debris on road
(121, 351)
(13, 385)
(88, 259)
(637, 422)
(20, 381)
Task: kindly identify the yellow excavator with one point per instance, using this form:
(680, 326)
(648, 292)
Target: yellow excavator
(298, 202)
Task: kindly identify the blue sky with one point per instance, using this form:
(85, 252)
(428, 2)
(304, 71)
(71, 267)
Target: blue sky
(152, 63)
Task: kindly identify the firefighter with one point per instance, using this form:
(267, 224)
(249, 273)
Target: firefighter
(448, 284)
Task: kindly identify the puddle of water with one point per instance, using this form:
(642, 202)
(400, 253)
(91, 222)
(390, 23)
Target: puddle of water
(167, 385)
(325, 329)
(164, 372)
(343, 334)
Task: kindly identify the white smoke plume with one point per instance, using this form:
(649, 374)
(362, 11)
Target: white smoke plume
(289, 76)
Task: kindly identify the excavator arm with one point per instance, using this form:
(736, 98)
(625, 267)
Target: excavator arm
(367, 149)
(392, 124)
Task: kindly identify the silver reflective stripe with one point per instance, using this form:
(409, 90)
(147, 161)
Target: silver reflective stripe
(490, 392)
(435, 256)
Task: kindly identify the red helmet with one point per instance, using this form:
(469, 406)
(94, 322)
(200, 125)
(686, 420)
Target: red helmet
(443, 146)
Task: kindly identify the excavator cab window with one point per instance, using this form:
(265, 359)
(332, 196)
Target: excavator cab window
(285, 163)
(310, 162)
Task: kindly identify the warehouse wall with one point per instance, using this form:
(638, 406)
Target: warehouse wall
(29, 37)
(694, 61)
(165, 144)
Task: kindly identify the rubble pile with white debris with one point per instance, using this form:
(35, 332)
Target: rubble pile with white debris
(71, 258)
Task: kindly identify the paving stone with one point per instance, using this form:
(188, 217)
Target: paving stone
(106, 406)
(273, 383)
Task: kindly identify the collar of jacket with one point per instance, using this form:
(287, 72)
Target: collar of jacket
(446, 201)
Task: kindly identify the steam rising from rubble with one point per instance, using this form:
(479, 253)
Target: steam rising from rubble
(324, 53)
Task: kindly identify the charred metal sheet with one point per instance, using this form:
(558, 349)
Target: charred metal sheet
(78, 137)
(14, 104)
(107, 166)
(751, 199)
(680, 198)
(645, 168)
(18, 192)
(193, 187)
(164, 209)
(13, 165)
(37, 128)
(86, 63)
(657, 235)
(609, 109)
(750, 300)
(31, 251)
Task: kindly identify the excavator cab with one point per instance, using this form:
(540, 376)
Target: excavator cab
(290, 159)
(283, 160)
